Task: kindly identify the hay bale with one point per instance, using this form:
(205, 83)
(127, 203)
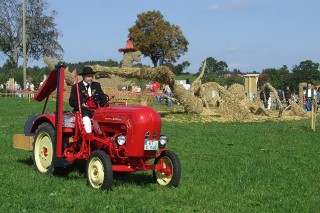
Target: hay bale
(209, 94)
(297, 110)
(113, 81)
(237, 90)
(232, 108)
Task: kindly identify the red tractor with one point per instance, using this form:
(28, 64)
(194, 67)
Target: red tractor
(124, 139)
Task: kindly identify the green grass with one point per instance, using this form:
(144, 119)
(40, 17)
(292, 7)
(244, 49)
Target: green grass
(226, 167)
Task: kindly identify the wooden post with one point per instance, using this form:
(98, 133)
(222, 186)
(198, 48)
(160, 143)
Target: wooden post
(314, 120)
(313, 117)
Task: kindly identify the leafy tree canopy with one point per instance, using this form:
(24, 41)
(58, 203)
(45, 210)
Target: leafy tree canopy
(306, 71)
(42, 35)
(179, 68)
(157, 38)
(279, 78)
(219, 68)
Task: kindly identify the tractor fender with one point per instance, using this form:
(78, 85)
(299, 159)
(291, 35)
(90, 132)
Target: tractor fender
(37, 121)
(28, 125)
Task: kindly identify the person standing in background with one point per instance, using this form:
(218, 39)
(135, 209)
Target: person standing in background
(309, 96)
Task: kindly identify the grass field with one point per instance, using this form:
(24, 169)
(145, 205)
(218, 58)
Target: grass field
(226, 167)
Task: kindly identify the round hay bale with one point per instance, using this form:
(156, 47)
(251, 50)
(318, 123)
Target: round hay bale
(237, 90)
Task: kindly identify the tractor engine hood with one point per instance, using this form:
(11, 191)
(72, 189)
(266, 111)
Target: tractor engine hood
(138, 122)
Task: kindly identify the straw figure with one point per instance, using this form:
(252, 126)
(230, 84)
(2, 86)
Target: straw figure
(69, 77)
(238, 91)
(193, 100)
(232, 104)
(130, 54)
(130, 57)
(276, 96)
(160, 74)
(302, 86)
(210, 94)
(195, 86)
(297, 110)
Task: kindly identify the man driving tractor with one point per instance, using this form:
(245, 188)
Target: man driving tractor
(91, 95)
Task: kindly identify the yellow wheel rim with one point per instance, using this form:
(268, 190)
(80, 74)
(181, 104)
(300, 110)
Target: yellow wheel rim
(96, 172)
(162, 178)
(43, 152)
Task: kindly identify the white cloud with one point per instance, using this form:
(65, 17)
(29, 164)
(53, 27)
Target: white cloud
(215, 7)
(231, 5)
(230, 49)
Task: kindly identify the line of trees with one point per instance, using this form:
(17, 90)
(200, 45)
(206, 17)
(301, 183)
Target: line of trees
(280, 78)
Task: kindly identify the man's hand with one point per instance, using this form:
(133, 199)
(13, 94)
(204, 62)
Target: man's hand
(85, 106)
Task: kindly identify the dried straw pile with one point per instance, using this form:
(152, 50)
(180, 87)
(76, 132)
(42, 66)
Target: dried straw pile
(237, 90)
(296, 110)
(160, 74)
(190, 103)
(234, 109)
(113, 81)
(234, 105)
(301, 90)
(276, 96)
(209, 94)
(69, 77)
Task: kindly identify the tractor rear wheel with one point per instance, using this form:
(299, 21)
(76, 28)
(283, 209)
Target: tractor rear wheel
(43, 148)
(171, 172)
(99, 170)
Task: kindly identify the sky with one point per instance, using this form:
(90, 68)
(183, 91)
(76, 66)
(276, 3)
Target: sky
(250, 35)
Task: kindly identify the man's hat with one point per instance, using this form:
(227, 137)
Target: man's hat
(87, 71)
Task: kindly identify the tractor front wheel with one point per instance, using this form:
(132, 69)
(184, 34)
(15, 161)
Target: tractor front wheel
(170, 173)
(99, 170)
(43, 148)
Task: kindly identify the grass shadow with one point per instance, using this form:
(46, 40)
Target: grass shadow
(77, 170)
(165, 113)
(27, 161)
(135, 178)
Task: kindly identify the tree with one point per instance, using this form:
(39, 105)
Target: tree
(236, 71)
(263, 78)
(306, 71)
(278, 78)
(157, 38)
(214, 67)
(234, 80)
(185, 65)
(42, 35)
(178, 69)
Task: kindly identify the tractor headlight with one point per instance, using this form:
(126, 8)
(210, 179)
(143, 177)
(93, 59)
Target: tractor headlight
(163, 140)
(121, 140)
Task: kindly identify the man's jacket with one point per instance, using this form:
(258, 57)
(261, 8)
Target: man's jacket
(96, 91)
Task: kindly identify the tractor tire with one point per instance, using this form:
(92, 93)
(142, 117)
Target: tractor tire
(99, 170)
(171, 160)
(44, 148)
